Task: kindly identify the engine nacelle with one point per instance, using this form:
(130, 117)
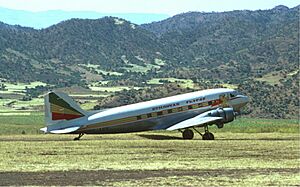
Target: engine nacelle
(227, 115)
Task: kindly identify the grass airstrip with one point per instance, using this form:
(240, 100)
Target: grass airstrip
(247, 152)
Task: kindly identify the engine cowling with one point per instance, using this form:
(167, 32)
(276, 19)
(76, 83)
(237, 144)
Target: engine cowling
(227, 115)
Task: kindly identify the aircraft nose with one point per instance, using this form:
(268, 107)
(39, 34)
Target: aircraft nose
(245, 99)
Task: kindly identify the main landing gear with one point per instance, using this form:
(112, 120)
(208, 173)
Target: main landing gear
(188, 134)
(79, 136)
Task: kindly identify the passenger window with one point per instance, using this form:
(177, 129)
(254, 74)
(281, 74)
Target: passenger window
(154, 114)
(159, 113)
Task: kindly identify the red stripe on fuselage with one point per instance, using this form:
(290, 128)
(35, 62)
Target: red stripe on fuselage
(58, 116)
(216, 102)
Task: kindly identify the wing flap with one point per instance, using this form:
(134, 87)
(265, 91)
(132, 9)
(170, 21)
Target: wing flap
(195, 121)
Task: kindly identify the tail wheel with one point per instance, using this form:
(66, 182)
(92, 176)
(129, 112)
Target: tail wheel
(188, 134)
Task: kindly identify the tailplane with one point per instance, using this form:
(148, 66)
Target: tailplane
(60, 107)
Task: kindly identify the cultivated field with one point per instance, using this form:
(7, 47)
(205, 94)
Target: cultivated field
(251, 158)
(14, 97)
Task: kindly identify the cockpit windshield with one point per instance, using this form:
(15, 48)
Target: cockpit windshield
(233, 94)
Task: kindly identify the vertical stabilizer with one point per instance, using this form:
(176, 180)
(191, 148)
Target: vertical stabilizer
(60, 107)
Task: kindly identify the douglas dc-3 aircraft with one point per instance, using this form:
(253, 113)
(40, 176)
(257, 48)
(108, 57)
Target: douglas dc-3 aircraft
(181, 112)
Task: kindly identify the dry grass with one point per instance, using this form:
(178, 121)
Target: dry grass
(238, 158)
(151, 158)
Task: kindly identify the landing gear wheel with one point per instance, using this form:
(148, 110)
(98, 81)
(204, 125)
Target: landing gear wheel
(188, 134)
(208, 136)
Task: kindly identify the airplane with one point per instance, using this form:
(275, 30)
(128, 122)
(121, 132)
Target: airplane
(184, 113)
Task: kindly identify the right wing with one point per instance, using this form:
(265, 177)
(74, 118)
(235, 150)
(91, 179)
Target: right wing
(195, 121)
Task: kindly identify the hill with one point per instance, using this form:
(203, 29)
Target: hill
(256, 52)
(109, 42)
(237, 44)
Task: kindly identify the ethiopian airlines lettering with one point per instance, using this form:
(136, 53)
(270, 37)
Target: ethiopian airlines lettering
(184, 113)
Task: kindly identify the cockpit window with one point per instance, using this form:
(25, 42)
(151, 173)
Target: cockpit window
(233, 94)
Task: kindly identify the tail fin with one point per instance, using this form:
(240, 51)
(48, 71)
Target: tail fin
(59, 107)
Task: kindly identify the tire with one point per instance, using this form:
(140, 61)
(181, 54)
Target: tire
(188, 134)
(205, 136)
(208, 136)
(211, 136)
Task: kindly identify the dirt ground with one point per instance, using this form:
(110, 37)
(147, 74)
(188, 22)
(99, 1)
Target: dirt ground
(109, 177)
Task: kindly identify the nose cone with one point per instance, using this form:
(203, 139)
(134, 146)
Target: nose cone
(239, 102)
(244, 100)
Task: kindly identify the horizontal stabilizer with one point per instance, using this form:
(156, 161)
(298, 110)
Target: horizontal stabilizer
(195, 121)
(60, 131)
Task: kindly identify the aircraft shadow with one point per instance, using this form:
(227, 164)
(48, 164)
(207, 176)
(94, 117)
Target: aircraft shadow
(159, 137)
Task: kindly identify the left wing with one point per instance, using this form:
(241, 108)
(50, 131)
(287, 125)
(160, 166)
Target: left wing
(195, 121)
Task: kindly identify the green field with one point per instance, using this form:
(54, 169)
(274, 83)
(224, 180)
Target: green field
(11, 98)
(12, 94)
(270, 78)
(275, 77)
(19, 88)
(18, 123)
(112, 88)
(141, 69)
(98, 69)
(230, 86)
(185, 83)
(247, 152)
(15, 123)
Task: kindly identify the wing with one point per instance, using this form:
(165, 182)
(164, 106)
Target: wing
(195, 121)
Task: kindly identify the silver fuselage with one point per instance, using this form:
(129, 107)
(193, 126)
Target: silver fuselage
(155, 114)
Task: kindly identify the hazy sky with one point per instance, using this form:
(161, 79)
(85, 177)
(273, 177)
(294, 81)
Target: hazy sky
(169, 7)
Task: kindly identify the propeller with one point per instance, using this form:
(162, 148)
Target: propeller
(237, 113)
